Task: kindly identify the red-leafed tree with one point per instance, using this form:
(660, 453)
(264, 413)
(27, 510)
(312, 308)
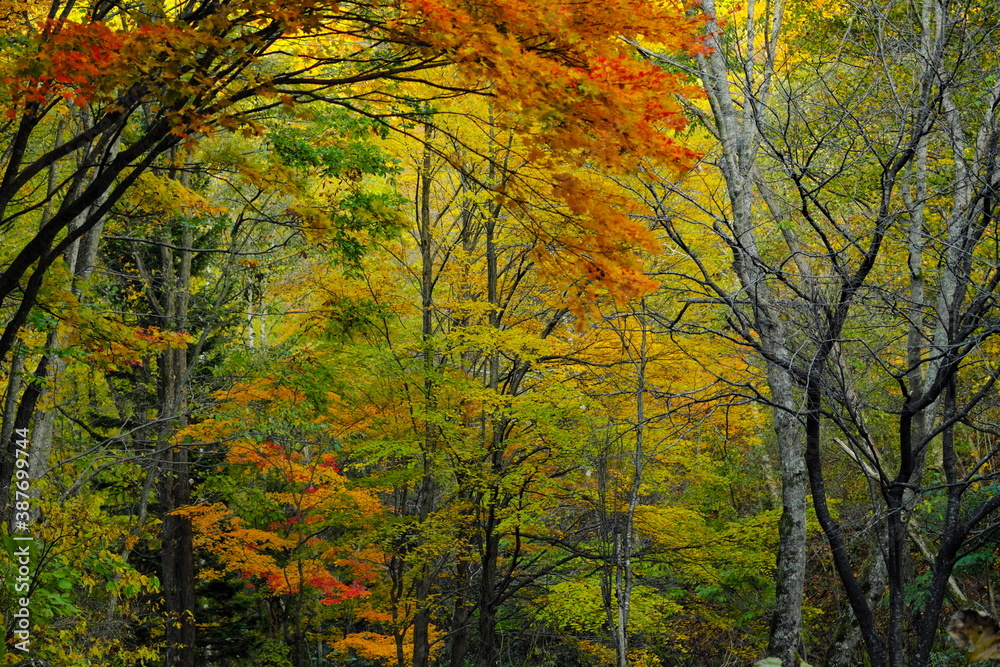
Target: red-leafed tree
(281, 515)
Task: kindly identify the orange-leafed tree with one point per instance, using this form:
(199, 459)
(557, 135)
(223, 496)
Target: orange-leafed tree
(278, 514)
(94, 93)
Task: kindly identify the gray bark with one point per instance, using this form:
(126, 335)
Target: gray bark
(739, 140)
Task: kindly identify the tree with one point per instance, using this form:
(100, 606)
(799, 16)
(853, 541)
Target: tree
(475, 432)
(832, 178)
(280, 514)
(742, 62)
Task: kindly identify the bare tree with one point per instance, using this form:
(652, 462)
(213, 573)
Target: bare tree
(859, 166)
(741, 61)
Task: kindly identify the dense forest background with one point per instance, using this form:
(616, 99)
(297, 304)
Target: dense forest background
(521, 332)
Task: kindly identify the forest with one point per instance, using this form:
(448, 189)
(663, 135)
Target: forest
(520, 333)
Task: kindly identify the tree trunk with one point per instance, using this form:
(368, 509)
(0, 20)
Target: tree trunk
(460, 615)
(428, 486)
(174, 489)
(738, 135)
(486, 655)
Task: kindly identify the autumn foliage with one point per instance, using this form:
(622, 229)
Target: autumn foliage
(346, 335)
(560, 74)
